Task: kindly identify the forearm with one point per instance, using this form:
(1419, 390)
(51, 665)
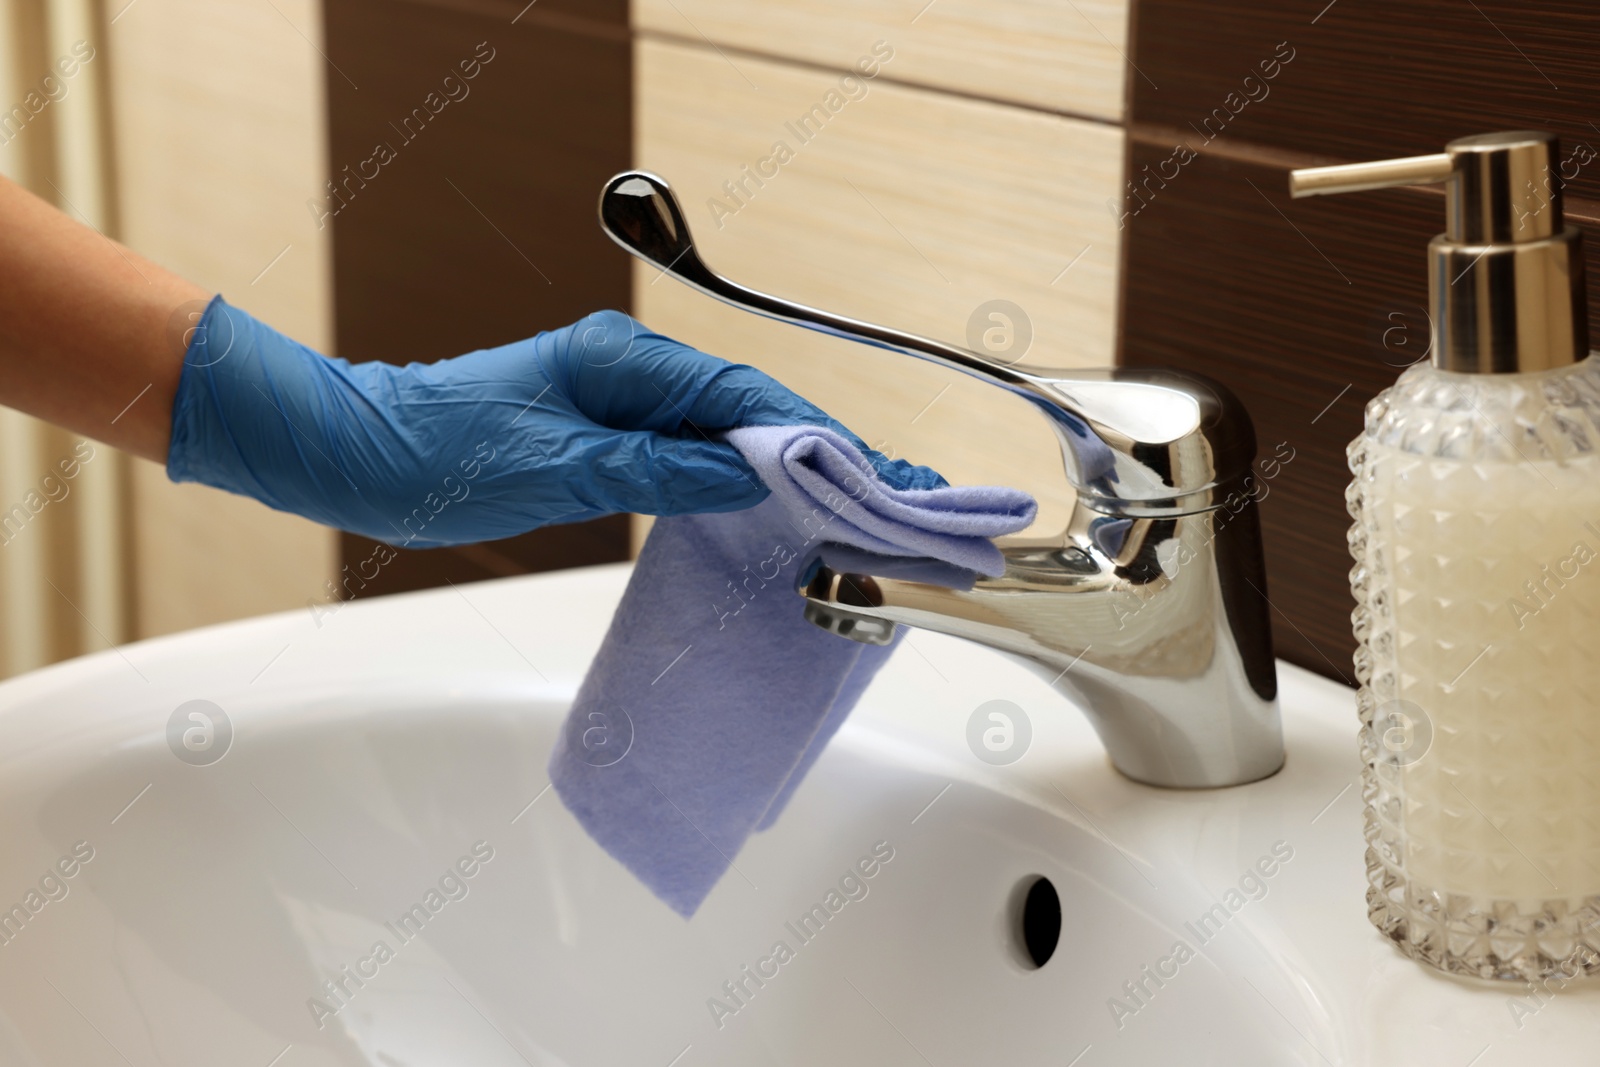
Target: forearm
(86, 327)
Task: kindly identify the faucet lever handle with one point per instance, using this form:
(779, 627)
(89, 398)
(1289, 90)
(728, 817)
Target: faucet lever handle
(639, 212)
(1138, 441)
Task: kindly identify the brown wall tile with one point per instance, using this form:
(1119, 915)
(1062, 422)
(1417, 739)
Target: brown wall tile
(1308, 308)
(1219, 283)
(1374, 78)
(482, 229)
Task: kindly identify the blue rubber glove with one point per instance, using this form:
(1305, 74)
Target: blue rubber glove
(599, 417)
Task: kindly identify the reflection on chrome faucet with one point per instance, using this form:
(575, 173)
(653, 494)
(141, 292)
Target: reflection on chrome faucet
(1183, 692)
(1252, 491)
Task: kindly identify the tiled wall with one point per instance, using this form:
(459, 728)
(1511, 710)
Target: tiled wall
(990, 151)
(987, 157)
(217, 136)
(1306, 308)
(1040, 54)
(974, 164)
(482, 230)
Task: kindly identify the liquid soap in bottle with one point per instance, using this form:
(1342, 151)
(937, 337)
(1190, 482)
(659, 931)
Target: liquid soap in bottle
(1476, 540)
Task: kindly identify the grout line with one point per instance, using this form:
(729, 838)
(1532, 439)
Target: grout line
(533, 16)
(1160, 135)
(883, 77)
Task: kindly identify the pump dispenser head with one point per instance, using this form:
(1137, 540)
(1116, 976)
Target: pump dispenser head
(1505, 279)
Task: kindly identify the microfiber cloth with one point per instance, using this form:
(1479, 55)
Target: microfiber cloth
(711, 696)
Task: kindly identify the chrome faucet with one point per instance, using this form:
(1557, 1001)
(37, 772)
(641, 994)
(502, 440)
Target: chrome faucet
(1150, 608)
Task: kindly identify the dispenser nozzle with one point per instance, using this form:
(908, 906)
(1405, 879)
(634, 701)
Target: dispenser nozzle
(1506, 277)
(1359, 177)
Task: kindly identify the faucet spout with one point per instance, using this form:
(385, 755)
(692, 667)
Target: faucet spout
(1149, 609)
(1153, 629)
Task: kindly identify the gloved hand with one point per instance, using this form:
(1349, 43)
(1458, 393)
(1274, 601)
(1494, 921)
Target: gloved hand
(595, 418)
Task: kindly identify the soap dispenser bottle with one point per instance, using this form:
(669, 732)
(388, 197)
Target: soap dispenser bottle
(1476, 500)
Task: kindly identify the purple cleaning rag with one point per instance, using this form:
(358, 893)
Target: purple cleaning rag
(711, 696)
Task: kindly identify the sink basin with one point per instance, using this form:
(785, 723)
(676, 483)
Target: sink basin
(376, 778)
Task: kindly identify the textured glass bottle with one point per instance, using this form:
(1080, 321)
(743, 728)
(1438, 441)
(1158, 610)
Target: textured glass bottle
(1476, 540)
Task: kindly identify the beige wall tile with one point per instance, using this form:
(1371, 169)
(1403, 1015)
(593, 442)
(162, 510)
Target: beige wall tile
(206, 556)
(219, 127)
(1064, 57)
(909, 208)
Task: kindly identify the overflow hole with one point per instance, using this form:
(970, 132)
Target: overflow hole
(1040, 922)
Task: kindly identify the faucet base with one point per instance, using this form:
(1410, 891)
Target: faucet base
(1156, 628)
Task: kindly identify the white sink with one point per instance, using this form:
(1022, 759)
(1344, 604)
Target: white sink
(372, 753)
